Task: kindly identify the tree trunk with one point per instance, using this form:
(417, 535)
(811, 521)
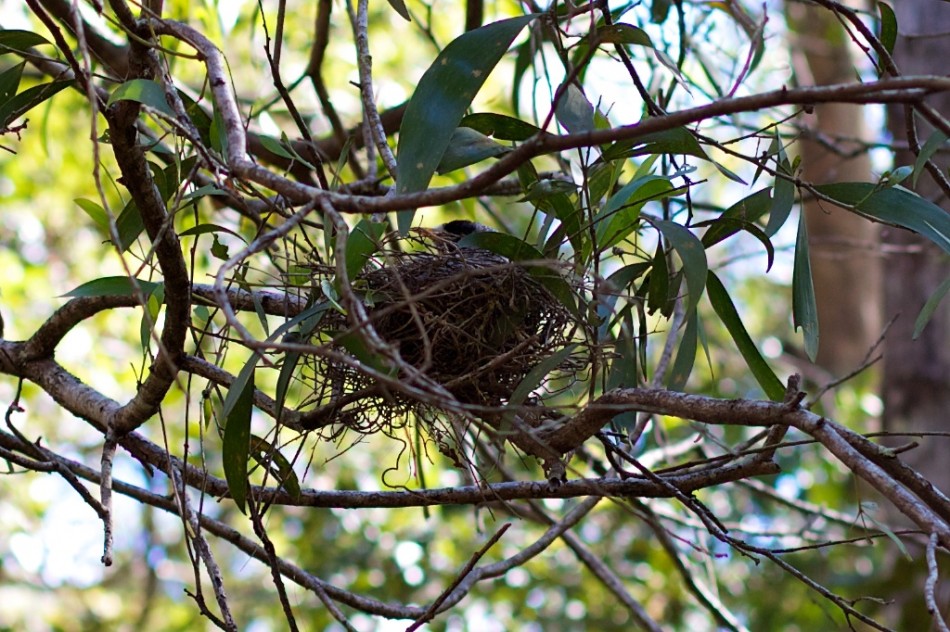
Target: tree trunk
(917, 372)
(844, 247)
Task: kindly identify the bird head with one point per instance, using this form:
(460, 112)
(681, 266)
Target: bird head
(451, 233)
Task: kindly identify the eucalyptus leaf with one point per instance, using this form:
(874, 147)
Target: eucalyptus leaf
(19, 41)
(443, 94)
(804, 306)
(144, 91)
(894, 205)
(22, 103)
(112, 286)
(692, 254)
(727, 313)
(500, 126)
(468, 147)
(927, 312)
(236, 444)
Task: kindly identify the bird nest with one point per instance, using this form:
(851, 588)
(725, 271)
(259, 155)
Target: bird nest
(470, 320)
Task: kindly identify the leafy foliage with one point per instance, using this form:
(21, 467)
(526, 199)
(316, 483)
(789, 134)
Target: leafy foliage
(300, 351)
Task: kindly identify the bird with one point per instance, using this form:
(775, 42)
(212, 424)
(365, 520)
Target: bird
(445, 236)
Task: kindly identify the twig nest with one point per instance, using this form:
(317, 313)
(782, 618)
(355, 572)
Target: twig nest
(470, 319)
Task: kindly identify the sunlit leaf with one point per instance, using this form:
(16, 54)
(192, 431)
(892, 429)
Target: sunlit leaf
(150, 313)
(10, 81)
(783, 196)
(287, 369)
(218, 249)
(17, 41)
(275, 147)
(144, 91)
(112, 286)
(621, 214)
(623, 369)
(537, 374)
(22, 103)
(95, 212)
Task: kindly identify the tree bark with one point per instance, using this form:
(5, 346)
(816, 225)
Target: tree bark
(916, 386)
(844, 247)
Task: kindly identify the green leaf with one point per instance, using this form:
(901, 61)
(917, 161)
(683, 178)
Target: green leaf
(200, 192)
(894, 205)
(623, 369)
(112, 286)
(129, 225)
(658, 283)
(144, 91)
(362, 242)
(678, 140)
(621, 214)
(574, 112)
(399, 6)
(783, 197)
(537, 374)
(659, 10)
(291, 359)
(444, 92)
(22, 103)
(500, 126)
(95, 212)
(275, 147)
(617, 283)
(804, 307)
(269, 457)
(624, 34)
(503, 244)
(888, 31)
(10, 81)
(935, 142)
(16, 41)
(737, 217)
(219, 250)
(468, 147)
(150, 315)
(692, 254)
(929, 307)
(685, 355)
(236, 444)
(204, 229)
(727, 313)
